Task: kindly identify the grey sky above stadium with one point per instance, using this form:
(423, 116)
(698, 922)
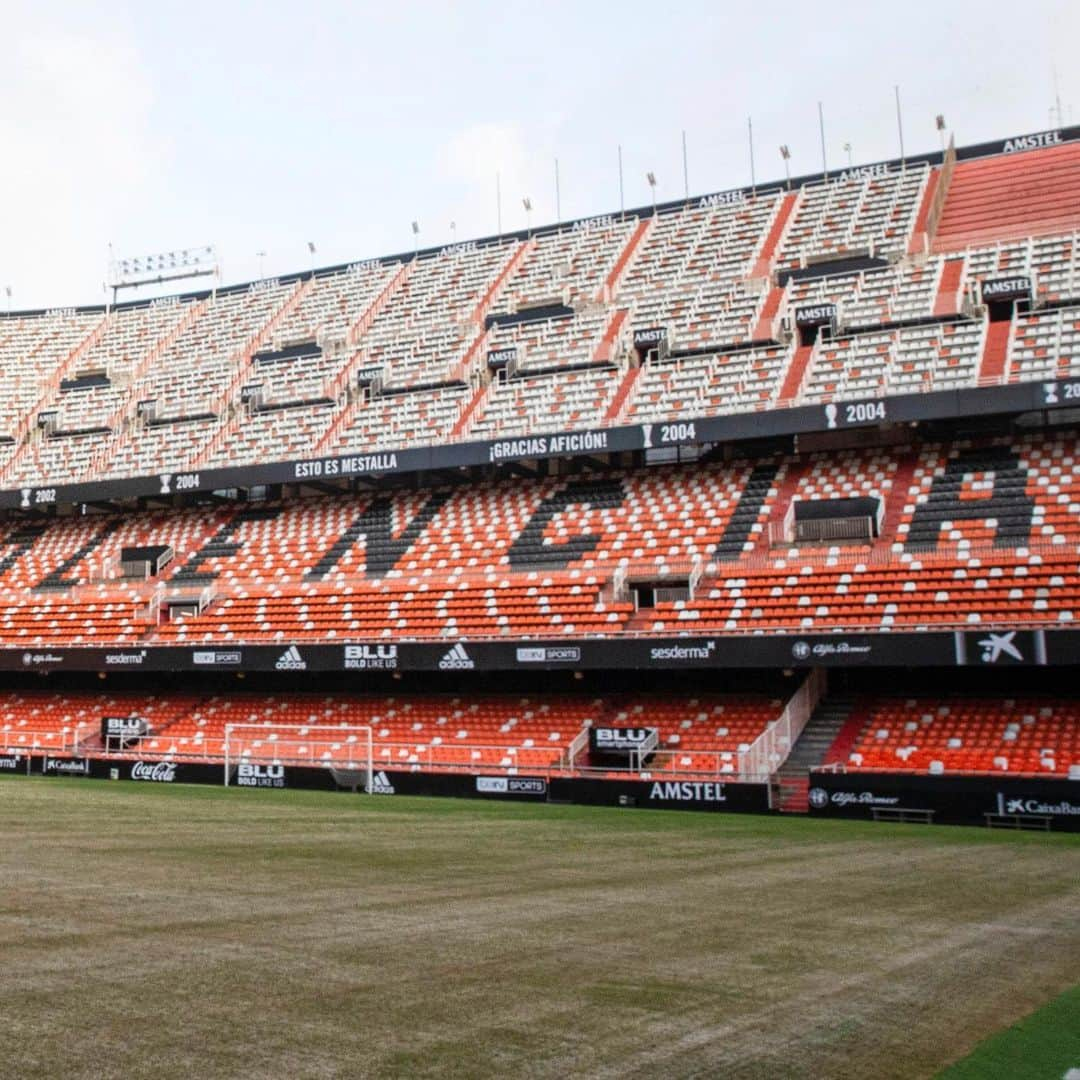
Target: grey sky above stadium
(262, 127)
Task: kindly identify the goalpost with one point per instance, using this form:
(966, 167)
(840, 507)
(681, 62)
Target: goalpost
(331, 746)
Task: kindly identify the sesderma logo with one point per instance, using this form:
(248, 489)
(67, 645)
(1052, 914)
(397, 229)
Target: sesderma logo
(291, 660)
(456, 659)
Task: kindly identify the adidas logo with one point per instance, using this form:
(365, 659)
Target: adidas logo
(380, 785)
(457, 659)
(291, 660)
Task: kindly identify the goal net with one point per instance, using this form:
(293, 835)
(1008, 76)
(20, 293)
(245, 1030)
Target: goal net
(342, 749)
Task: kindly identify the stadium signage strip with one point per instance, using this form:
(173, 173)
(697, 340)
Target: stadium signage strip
(690, 432)
(966, 648)
(656, 793)
(954, 800)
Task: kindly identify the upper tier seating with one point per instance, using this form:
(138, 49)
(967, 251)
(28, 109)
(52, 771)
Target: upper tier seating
(967, 535)
(872, 297)
(567, 267)
(1032, 735)
(911, 359)
(34, 353)
(1032, 193)
(1045, 346)
(429, 322)
(1053, 262)
(191, 381)
(176, 378)
(544, 403)
(854, 214)
(689, 272)
(704, 385)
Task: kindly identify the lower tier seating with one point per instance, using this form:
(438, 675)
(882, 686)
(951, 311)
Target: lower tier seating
(957, 734)
(701, 734)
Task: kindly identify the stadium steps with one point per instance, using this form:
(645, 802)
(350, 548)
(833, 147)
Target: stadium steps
(794, 379)
(898, 497)
(603, 351)
(775, 235)
(919, 241)
(948, 295)
(1032, 193)
(462, 421)
(515, 259)
(809, 751)
(995, 351)
(622, 394)
(764, 329)
(633, 245)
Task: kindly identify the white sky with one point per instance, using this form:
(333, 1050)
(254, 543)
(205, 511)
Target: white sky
(259, 127)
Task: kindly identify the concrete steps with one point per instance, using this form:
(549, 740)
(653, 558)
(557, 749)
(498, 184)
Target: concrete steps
(809, 751)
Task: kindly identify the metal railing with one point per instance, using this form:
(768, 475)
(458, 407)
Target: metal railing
(771, 748)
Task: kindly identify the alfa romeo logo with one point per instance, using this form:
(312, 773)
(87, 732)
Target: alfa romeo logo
(819, 798)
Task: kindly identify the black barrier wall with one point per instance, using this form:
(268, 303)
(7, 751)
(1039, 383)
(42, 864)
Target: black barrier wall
(649, 794)
(956, 800)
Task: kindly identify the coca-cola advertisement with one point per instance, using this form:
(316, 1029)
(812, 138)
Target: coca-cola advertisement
(159, 772)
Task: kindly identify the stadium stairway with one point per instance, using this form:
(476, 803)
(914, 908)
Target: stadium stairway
(947, 301)
(809, 751)
(995, 351)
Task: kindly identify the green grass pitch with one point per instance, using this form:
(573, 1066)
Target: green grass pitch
(155, 931)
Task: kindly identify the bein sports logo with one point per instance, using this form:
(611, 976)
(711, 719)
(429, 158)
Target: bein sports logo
(291, 660)
(994, 646)
(457, 659)
(818, 798)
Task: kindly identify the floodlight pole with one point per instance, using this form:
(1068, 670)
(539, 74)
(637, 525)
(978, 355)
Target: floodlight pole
(750, 135)
(622, 200)
(685, 169)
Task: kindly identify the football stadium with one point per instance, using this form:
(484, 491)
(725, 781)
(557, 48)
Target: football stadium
(637, 644)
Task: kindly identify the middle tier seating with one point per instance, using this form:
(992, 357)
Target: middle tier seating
(962, 535)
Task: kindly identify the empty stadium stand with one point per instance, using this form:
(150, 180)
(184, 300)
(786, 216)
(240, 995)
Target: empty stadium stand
(697, 735)
(389, 353)
(883, 365)
(1030, 735)
(967, 534)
